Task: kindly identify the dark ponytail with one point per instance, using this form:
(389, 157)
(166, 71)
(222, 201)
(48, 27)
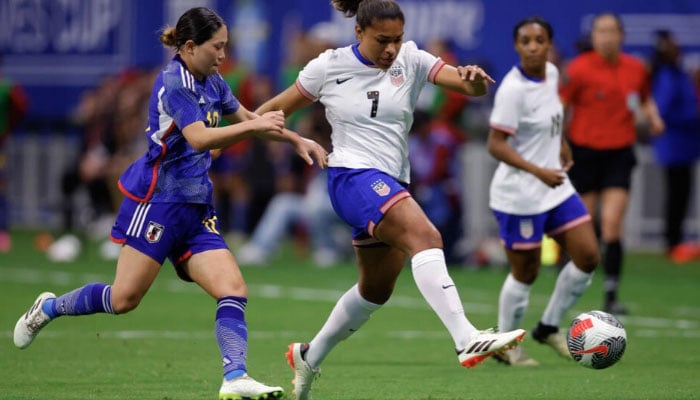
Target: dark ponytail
(368, 10)
(197, 24)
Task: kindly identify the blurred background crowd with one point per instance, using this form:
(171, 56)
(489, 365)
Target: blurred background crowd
(76, 77)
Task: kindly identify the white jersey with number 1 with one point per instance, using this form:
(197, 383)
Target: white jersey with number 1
(530, 111)
(369, 109)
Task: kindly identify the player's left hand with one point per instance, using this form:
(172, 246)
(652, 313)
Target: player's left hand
(474, 73)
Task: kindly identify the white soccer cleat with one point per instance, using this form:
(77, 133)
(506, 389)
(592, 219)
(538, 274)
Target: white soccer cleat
(552, 337)
(515, 357)
(557, 341)
(485, 343)
(247, 388)
(304, 375)
(31, 322)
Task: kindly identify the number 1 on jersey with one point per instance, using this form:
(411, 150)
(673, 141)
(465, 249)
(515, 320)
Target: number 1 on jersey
(374, 96)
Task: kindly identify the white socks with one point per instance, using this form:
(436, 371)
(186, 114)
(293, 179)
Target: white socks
(352, 311)
(571, 284)
(512, 303)
(514, 298)
(438, 289)
(348, 315)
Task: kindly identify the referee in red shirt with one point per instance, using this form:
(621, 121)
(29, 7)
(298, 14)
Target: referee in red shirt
(601, 90)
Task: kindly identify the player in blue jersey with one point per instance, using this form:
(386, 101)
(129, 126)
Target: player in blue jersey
(370, 90)
(530, 192)
(167, 212)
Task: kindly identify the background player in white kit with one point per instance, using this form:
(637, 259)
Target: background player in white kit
(370, 90)
(530, 193)
(167, 211)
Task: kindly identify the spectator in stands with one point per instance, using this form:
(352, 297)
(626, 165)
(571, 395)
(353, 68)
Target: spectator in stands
(111, 117)
(268, 169)
(13, 105)
(309, 210)
(602, 134)
(232, 190)
(677, 150)
(433, 152)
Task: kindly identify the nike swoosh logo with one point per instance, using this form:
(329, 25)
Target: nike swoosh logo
(447, 286)
(339, 81)
(603, 349)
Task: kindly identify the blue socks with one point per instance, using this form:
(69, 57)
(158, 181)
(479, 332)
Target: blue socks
(232, 335)
(89, 299)
(231, 328)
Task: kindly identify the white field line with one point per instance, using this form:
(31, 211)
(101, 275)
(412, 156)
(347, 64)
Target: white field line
(684, 326)
(68, 279)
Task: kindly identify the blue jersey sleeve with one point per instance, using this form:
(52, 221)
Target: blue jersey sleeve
(182, 105)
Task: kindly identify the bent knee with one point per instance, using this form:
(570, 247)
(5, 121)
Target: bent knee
(377, 294)
(124, 305)
(525, 276)
(425, 237)
(588, 262)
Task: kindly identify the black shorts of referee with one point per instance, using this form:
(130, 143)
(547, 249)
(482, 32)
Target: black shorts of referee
(595, 170)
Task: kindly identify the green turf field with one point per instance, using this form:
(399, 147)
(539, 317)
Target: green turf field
(166, 349)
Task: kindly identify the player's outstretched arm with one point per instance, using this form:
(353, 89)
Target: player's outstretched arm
(471, 80)
(202, 138)
(289, 101)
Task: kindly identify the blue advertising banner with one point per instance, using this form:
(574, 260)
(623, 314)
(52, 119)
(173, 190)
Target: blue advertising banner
(45, 41)
(56, 48)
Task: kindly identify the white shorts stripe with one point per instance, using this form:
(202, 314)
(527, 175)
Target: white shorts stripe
(142, 218)
(136, 224)
(133, 218)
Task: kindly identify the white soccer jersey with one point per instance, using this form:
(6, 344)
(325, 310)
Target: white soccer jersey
(529, 110)
(369, 109)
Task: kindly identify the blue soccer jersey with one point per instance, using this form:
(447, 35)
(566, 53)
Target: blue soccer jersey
(171, 171)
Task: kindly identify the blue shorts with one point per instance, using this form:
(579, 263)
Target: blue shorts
(168, 230)
(361, 197)
(524, 232)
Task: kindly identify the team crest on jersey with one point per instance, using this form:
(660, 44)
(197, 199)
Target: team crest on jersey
(381, 188)
(526, 228)
(396, 75)
(154, 232)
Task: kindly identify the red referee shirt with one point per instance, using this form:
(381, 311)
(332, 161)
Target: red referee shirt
(602, 97)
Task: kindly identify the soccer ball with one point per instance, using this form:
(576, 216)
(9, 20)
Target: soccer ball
(596, 339)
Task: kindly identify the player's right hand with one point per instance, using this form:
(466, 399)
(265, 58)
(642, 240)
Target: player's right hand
(272, 122)
(551, 177)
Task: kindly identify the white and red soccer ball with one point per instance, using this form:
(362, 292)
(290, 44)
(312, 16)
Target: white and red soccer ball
(596, 339)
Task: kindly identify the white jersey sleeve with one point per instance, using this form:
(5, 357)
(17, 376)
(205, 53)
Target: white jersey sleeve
(507, 108)
(311, 78)
(529, 110)
(370, 109)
